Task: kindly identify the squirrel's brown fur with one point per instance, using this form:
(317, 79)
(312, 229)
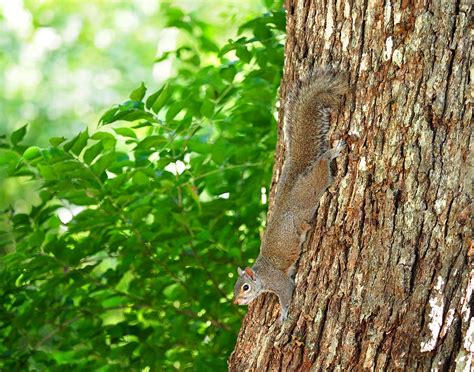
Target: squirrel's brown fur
(305, 175)
(306, 123)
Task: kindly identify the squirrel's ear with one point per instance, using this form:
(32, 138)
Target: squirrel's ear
(239, 271)
(250, 272)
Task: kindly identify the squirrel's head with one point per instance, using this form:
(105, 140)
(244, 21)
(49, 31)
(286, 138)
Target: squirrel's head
(247, 287)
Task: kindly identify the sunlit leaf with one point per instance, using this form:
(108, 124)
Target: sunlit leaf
(91, 153)
(157, 100)
(56, 141)
(18, 135)
(32, 153)
(126, 132)
(139, 93)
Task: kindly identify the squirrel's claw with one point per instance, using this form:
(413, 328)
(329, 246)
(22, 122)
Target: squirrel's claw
(340, 146)
(283, 315)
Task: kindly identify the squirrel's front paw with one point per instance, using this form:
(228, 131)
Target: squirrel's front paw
(336, 151)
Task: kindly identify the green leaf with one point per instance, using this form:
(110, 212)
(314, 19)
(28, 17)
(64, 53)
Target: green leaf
(199, 147)
(173, 291)
(56, 141)
(129, 111)
(18, 135)
(46, 172)
(140, 212)
(152, 98)
(139, 93)
(132, 115)
(243, 54)
(103, 163)
(262, 32)
(227, 48)
(174, 110)
(279, 20)
(207, 108)
(108, 115)
(9, 159)
(157, 100)
(80, 143)
(107, 139)
(140, 179)
(126, 132)
(66, 166)
(228, 73)
(68, 145)
(91, 153)
(114, 301)
(151, 142)
(32, 153)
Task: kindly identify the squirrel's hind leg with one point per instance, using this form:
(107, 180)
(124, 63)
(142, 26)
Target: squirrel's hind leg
(285, 298)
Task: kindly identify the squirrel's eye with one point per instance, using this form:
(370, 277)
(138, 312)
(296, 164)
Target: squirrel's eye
(246, 287)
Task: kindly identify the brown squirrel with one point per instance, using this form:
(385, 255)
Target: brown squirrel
(306, 174)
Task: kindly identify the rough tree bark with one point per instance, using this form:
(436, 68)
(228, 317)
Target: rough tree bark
(385, 279)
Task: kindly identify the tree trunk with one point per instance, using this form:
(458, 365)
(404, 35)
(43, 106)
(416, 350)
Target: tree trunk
(385, 280)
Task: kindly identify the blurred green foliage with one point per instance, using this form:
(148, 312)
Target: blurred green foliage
(128, 258)
(63, 61)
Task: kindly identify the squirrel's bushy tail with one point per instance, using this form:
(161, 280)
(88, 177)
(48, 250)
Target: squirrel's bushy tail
(307, 116)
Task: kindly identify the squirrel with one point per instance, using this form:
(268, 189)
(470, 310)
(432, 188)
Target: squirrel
(306, 174)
